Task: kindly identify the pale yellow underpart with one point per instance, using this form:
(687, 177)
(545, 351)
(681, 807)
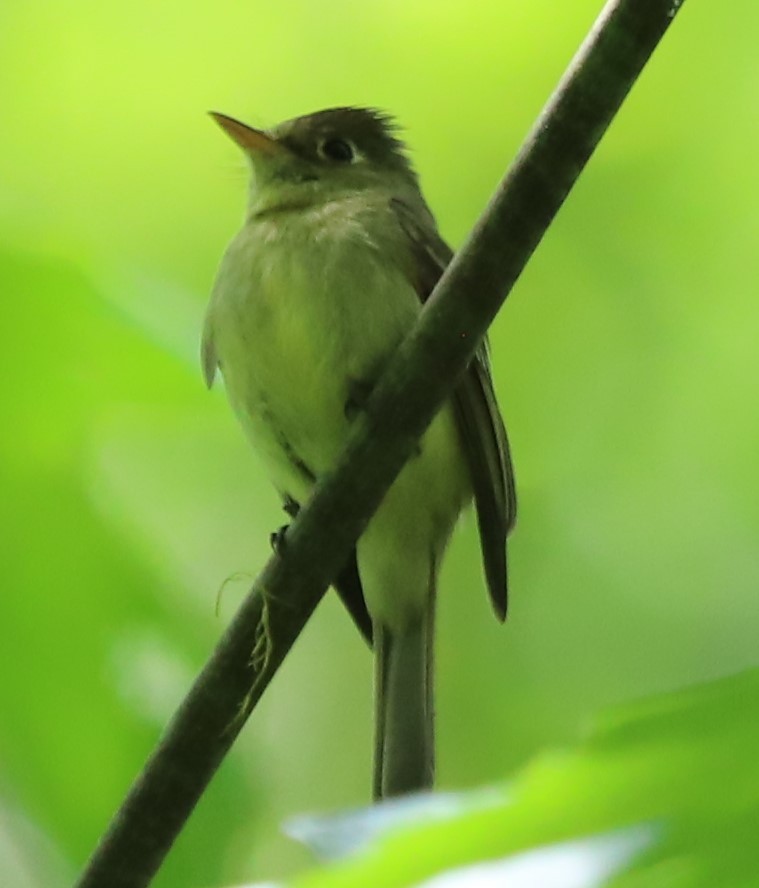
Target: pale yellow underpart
(304, 301)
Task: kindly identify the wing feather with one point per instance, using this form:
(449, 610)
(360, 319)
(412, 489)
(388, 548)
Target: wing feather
(478, 418)
(208, 358)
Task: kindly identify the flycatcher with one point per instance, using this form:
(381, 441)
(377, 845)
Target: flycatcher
(329, 272)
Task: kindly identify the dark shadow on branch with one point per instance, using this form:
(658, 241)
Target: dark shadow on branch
(420, 376)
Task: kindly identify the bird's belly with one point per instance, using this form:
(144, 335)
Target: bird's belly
(301, 319)
(295, 339)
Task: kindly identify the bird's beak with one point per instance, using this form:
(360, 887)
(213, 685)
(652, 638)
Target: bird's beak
(247, 138)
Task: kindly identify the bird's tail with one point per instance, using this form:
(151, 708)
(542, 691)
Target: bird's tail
(404, 745)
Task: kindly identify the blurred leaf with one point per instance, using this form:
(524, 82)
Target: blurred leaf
(342, 834)
(586, 863)
(681, 769)
(105, 648)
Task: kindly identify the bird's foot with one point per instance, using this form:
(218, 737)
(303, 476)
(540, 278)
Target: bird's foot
(358, 394)
(277, 539)
(290, 506)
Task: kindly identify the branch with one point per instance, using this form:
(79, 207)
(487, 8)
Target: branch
(417, 381)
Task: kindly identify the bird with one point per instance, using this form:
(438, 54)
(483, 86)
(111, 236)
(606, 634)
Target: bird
(336, 256)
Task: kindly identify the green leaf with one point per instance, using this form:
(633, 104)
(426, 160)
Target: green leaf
(679, 774)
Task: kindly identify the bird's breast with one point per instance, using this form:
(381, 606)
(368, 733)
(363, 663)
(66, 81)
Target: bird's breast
(306, 306)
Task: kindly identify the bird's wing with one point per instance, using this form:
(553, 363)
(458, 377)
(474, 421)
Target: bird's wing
(350, 591)
(208, 358)
(347, 583)
(478, 418)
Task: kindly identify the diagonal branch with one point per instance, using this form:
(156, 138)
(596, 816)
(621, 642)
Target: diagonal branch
(420, 376)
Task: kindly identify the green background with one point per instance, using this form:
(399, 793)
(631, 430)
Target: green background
(626, 363)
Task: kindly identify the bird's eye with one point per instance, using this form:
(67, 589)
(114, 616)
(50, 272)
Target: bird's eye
(338, 150)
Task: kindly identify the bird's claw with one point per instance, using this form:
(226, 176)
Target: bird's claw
(277, 539)
(358, 394)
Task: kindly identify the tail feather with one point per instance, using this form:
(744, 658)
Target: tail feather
(404, 720)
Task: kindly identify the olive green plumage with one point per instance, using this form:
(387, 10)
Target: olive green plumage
(326, 276)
